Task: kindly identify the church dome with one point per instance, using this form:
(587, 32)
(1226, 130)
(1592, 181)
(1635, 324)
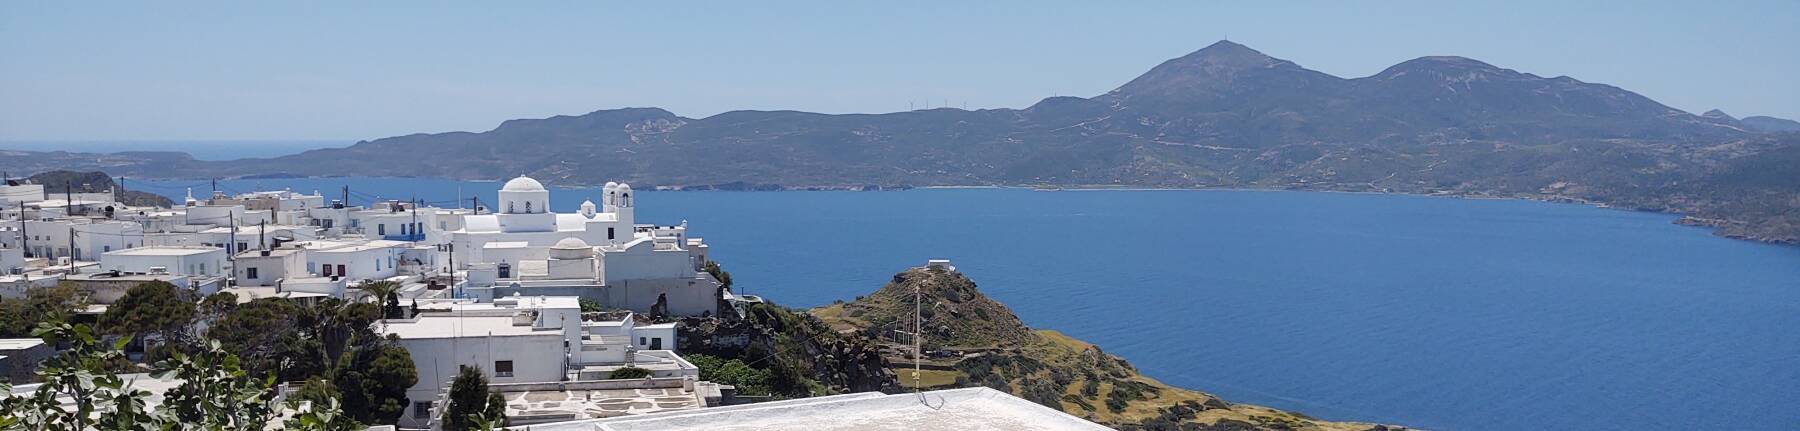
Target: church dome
(523, 184)
(570, 243)
(571, 248)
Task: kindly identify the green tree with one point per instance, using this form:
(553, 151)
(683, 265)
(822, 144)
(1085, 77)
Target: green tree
(217, 304)
(77, 374)
(216, 392)
(724, 277)
(628, 373)
(470, 400)
(590, 306)
(320, 416)
(79, 392)
(151, 308)
(749, 381)
(271, 337)
(373, 379)
(19, 317)
(386, 293)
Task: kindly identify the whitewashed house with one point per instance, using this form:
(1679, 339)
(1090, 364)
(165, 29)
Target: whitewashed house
(597, 253)
(190, 261)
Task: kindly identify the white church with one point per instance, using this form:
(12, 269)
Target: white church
(598, 253)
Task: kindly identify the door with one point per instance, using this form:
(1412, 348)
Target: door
(656, 343)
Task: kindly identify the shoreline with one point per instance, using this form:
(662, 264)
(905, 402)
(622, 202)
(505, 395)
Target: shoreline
(1716, 225)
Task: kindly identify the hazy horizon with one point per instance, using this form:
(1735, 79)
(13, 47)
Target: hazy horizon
(337, 72)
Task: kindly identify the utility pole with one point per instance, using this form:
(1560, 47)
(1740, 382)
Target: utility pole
(918, 330)
(452, 264)
(68, 198)
(231, 249)
(119, 194)
(477, 203)
(346, 195)
(72, 253)
(215, 186)
(22, 244)
(415, 219)
(262, 232)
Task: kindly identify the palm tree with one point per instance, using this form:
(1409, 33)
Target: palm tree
(386, 294)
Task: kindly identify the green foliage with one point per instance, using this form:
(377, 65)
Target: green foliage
(150, 308)
(77, 374)
(628, 373)
(317, 390)
(590, 306)
(749, 381)
(320, 416)
(19, 316)
(272, 336)
(373, 379)
(331, 340)
(386, 293)
(724, 277)
(293, 341)
(216, 392)
(470, 400)
(217, 304)
(1126, 391)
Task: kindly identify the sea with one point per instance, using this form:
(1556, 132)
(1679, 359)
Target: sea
(1437, 313)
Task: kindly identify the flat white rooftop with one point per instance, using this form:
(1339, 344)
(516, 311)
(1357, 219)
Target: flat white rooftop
(953, 409)
(449, 325)
(165, 251)
(19, 343)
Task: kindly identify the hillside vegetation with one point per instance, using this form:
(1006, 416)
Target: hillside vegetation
(972, 340)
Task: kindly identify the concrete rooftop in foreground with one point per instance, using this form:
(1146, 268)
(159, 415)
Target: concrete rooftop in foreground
(952, 409)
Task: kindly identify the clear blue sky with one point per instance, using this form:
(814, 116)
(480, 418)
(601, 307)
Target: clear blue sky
(331, 70)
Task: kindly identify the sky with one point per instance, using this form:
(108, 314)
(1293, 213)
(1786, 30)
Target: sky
(326, 70)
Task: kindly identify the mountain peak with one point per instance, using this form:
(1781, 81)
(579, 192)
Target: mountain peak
(1718, 114)
(1227, 53)
(1217, 67)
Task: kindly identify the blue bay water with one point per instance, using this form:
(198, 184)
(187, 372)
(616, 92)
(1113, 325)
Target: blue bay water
(1438, 313)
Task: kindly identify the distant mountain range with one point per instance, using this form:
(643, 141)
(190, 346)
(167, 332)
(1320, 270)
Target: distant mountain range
(1224, 116)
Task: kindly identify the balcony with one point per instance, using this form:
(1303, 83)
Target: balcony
(409, 238)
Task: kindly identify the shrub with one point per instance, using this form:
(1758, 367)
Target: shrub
(628, 373)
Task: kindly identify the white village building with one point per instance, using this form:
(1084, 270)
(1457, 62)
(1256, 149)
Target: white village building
(598, 253)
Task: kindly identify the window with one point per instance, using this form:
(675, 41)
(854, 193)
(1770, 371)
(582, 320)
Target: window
(243, 246)
(528, 207)
(421, 409)
(609, 234)
(381, 229)
(505, 271)
(250, 273)
(106, 249)
(342, 271)
(503, 369)
(327, 272)
(642, 341)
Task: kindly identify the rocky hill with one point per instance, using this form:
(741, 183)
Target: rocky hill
(1223, 116)
(94, 182)
(974, 341)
